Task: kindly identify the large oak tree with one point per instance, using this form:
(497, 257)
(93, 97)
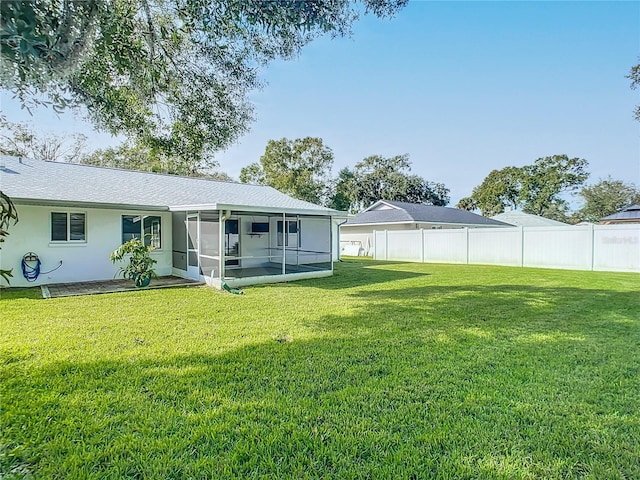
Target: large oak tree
(175, 74)
(537, 188)
(390, 178)
(300, 168)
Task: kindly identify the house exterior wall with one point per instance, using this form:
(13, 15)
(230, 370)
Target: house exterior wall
(335, 239)
(255, 245)
(83, 261)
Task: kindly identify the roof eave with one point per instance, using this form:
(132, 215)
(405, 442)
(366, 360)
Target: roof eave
(427, 221)
(258, 209)
(43, 202)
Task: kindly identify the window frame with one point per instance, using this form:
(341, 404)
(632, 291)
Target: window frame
(282, 239)
(141, 232)
(68, 214)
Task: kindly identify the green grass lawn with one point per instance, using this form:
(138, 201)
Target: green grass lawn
(386, 370)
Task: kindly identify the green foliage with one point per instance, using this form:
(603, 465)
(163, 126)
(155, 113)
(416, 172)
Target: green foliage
(299, 168)
(500, 189)
(381, 178)
(383, 371)
(535, 188)
(547, 178)
(22, 140)
(467, 203)
(132, 155)
(8, 215)
(606, 197)
(173, 74)
(140, 264)
(343, 188)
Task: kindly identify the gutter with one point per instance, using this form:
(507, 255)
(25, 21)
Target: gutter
(77, 204)
(339, 225)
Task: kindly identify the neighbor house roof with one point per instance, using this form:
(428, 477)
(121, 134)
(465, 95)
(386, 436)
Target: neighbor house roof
(522, 219)
(630, 214)
(55, 183)
(386, 211)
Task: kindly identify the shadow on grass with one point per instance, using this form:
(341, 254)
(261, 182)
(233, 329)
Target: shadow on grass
(32, 293)
(556, 307)
(362, 273)
(467, 382)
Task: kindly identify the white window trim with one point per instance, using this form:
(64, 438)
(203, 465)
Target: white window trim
(68, 213)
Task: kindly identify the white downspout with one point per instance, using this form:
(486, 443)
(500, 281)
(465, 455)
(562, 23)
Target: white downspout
(339, 251)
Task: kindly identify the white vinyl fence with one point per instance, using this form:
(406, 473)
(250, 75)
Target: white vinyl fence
(587, 247)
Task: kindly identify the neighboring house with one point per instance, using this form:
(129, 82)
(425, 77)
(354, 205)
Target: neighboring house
(75, 215)
(628, 215)
(356, 235)
(521, 219)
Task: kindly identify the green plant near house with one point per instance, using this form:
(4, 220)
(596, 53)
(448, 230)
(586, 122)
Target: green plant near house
(140, 266)
(8, 213)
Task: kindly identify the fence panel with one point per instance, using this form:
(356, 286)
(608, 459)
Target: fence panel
(495, 246)
(558, 247)
(405, 245)
(599, 247)
(445, 246)
(616, 248)
(380, 245)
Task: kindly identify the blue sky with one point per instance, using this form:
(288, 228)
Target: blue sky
(462, 87)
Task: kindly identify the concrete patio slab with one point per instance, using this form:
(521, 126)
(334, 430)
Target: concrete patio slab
(111, 286)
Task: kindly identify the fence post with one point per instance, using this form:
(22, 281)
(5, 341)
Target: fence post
(386, 244)
(422, 245)
(521, 246)
(467, 229)
(592, 239)
(375, 253)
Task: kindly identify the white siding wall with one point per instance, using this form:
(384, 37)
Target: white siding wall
(254, 245)
(315, 237)
(81, 261)
(335, 239)
(599, 247)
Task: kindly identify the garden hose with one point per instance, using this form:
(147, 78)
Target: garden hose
(228, 288)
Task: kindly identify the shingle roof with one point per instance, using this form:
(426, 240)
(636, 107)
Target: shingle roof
(43, 181)
(522, 219)
(629, 213)
(416, 212)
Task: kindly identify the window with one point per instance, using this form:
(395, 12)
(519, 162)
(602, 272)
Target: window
(145, 227)
(292, 237)
(68, 227)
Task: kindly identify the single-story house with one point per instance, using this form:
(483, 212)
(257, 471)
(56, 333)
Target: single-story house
(356, 235)
(71, 217)
(628, 215)
(522, 219)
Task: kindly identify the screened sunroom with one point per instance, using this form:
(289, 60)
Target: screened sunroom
(242, 246)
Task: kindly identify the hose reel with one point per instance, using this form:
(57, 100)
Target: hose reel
(31, 264)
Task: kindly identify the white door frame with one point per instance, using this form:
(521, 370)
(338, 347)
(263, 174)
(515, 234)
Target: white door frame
(193, 271)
